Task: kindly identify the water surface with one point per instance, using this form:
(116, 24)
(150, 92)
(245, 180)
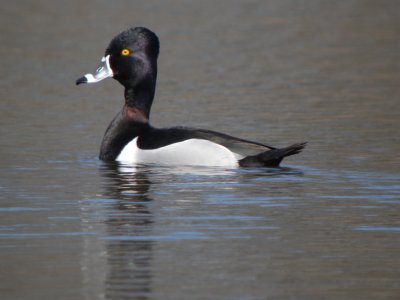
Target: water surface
(324, 226)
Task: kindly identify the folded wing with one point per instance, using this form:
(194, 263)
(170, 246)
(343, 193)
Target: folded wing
(157, 138)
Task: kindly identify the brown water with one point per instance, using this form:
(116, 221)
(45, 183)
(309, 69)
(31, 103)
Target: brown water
(326, 226)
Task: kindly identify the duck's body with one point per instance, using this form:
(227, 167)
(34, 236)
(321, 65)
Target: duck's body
(131, 58)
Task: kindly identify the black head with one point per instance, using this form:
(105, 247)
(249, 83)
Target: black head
(137, 40)
(130, 58)
(133, 55)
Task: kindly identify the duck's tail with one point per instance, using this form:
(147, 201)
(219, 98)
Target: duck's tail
(271, 158)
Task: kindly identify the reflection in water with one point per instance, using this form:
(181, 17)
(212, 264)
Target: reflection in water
(128, 256)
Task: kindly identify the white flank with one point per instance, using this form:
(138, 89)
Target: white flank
(195, 152)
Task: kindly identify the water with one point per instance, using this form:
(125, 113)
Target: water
(324, 226)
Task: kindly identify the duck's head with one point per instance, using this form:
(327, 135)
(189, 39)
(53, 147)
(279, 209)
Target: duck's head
(130, 58)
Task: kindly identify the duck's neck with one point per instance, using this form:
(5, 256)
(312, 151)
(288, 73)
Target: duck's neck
(141, 95)
(132, 120)
(126, 125)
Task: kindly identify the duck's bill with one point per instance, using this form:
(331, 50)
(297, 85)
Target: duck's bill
(103, 71)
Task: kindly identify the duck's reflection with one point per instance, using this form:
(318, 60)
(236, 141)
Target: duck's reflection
(129, 252)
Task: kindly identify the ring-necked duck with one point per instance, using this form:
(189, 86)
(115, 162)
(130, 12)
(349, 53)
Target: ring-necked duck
(131, 58)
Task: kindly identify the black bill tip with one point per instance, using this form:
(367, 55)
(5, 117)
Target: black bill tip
(83, 79)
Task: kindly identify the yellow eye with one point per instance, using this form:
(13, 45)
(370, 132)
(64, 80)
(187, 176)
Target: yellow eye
(125, 52)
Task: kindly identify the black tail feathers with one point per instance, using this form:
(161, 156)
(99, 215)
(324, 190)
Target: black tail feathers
(271, 158)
